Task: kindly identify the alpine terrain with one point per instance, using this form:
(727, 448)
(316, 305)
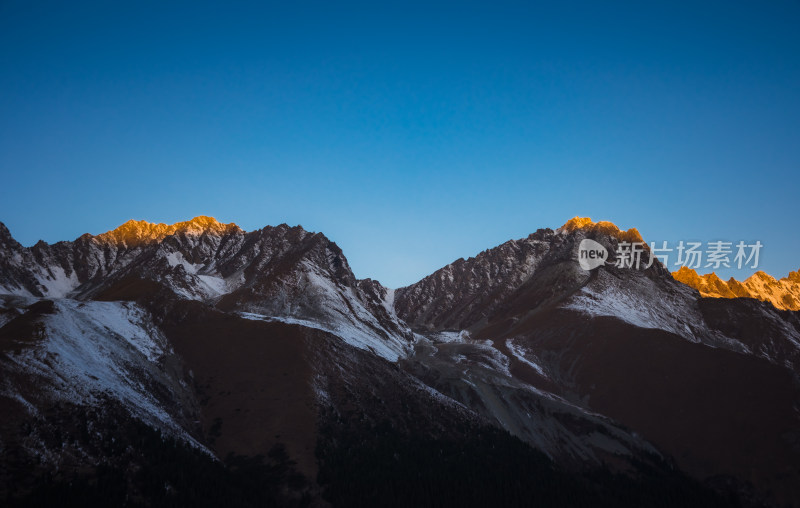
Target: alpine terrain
(197, 364)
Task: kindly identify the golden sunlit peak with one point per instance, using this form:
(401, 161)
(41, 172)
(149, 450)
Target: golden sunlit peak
(606, 227)
(760, 276)
(578, 223)
(136, 232)
(687, 276)
(783, 293)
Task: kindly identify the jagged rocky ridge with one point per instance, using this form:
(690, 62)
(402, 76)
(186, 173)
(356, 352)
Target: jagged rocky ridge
(590, 368)
(278, 272)
(783, 293)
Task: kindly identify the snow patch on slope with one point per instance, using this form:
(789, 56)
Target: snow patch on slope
(622, 305)
(520, 354)
(110, 348)
(213, 286)
(388, 302)
(56, 283)
(350, 334)
(638, 301)
(199, 286)
(449, 336)
(348, 318)
(176, 259)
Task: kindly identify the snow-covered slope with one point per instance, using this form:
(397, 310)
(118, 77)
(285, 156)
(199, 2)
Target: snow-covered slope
(81, 352)
(648, 303)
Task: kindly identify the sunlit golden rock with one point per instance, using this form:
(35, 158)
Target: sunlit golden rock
(138, 232)
(783, 294)
(605, 227)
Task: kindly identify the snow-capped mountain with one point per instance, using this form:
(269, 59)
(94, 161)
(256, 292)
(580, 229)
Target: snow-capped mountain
(235, 343)
(633, 344)
(278, 273)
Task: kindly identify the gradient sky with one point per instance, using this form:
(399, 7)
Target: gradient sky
(410, 133)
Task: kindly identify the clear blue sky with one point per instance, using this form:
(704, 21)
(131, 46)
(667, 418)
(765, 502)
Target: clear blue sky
(411, 133)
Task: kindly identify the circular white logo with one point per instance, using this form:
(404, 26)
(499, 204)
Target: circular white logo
(591, 254)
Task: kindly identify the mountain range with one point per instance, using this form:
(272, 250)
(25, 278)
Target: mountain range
(782, 293)
(200, 364)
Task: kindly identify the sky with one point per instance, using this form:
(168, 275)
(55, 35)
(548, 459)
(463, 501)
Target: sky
(410, 133)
